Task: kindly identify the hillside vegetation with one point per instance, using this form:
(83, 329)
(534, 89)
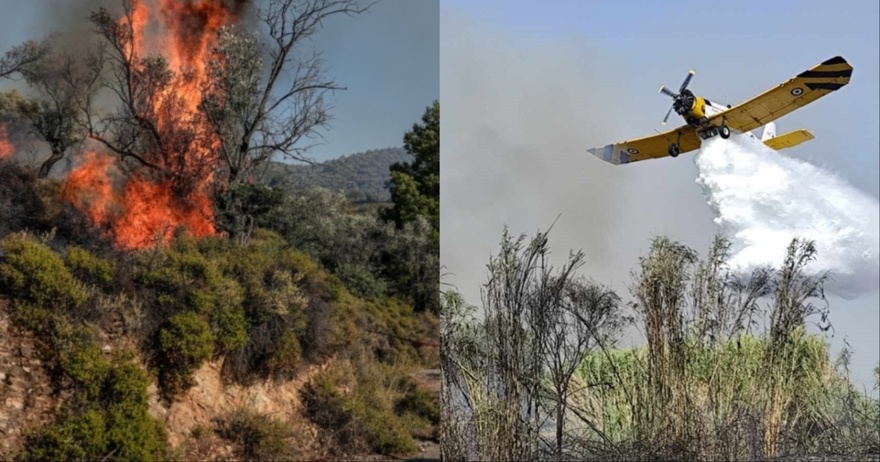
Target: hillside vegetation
(311, 282)
(362, 177)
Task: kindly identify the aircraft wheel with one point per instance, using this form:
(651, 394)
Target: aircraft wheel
(673, 150)
(724, 131)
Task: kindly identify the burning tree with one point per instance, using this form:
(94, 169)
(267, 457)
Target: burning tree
(200, 106)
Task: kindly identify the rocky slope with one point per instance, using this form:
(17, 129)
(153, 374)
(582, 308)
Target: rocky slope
(26, 399)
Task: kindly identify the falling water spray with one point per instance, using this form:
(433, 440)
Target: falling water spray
(763, 199)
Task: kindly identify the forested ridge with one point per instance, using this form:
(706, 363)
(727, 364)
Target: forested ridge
(363, 176)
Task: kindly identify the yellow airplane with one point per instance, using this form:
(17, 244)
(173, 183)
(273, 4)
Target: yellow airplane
(706, 119)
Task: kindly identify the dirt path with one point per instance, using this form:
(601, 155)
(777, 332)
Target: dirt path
(429, 379)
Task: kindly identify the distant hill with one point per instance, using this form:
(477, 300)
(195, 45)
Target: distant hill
(362, 176)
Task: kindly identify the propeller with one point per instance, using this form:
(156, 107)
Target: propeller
(667, 116)
(687, 80)
(667, 91)
(681, 100)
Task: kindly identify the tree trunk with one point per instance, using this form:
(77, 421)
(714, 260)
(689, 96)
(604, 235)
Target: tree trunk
(560, 415)
(57, 154)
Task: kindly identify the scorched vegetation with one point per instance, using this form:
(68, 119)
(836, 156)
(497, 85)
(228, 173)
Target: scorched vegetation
(728, 370)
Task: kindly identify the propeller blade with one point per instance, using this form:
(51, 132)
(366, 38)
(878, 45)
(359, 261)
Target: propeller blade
(667, 116)
(667, 91)
(686, 80)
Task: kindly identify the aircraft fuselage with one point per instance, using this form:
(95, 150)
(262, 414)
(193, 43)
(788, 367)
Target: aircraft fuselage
(698, 114)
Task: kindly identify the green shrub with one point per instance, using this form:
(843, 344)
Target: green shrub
(189, 276)
(33, 273)
(178, 267)
(361, 280)
(201, 301)
(397, 318)
(79, 357)
(322, 403)
(77, 435)
(274, 308)
(131, 431)
(287, 356)
(89, 268)
(385, 435)
(257, 436)
(34, 318)
(361, 415)
(117, 426)
(417, 401)
(221, 302)
(298, 262)
(183, 344)
(230, 328)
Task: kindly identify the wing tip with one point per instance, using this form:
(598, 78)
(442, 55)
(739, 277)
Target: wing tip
(835, 60)
(604, 153)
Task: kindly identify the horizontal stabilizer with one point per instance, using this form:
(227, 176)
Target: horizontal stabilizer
(790, 139)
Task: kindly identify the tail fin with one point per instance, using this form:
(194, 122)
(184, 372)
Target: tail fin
(769, 131)
(789, 140)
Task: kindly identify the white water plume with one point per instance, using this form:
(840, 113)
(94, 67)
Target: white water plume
(763, 199)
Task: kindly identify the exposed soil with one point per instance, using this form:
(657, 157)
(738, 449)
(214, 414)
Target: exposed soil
(26, 399)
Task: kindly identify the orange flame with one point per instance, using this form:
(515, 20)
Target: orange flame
(148, 207)
(143, 213)
(6, 146)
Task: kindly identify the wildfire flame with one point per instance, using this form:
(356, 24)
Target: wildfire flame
(147, 207)
(142, 213)
(6, 146)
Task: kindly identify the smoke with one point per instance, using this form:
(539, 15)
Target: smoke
(762, 200)
(68, 23)
(518, 116)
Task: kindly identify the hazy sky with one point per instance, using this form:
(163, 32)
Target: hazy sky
(526, 91)
(388, 59)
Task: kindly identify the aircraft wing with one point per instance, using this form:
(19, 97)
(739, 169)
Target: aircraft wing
(649, 147)
(797, 92)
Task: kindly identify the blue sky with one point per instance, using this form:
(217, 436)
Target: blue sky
(527, 87)
(388, 59)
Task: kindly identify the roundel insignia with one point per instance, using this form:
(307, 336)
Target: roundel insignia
(632, 151)
(797, 91)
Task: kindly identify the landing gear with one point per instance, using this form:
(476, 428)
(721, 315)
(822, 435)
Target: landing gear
(674, 149)
(711, 131)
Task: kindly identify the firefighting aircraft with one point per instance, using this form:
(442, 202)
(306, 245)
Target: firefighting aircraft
(706, 119)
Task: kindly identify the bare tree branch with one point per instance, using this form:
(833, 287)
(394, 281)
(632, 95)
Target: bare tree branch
(259, 111)
(21, 58)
